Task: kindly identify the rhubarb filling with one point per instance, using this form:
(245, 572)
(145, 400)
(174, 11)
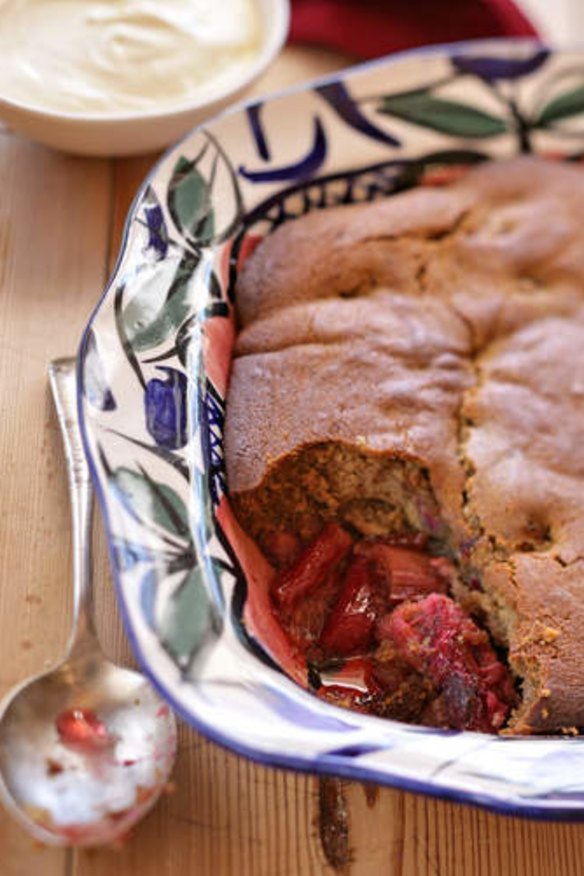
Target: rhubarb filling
(376, 622)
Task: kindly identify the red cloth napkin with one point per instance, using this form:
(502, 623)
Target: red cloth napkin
(370, 28)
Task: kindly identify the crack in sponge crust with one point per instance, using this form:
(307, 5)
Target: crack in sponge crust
(419, 362)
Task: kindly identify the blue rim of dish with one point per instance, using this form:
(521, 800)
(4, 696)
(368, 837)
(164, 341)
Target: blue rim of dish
(326, 764)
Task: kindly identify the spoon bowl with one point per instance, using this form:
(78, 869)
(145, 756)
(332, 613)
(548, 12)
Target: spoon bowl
(85, 793)
(86, 748)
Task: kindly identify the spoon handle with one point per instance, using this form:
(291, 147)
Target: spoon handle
(63, 383)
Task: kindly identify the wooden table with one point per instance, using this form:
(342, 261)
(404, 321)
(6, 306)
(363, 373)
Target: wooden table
(60, 224)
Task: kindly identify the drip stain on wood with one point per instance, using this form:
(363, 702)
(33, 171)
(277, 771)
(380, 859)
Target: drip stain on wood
(371, 794)
(333, 823)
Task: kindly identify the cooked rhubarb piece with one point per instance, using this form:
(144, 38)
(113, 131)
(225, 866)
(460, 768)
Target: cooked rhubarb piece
(349, 683)
(373, 619)
(83, 729)
(407, 572)
(349, 628)
(389, 688)
(348, 697)
(314, 565)
(443, 644)
(304, 619)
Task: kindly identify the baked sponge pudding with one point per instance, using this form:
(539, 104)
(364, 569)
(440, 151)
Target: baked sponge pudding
(405, 443)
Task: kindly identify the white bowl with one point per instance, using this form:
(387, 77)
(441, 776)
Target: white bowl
(147, 131)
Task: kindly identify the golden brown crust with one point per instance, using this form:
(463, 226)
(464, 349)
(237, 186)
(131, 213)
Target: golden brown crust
(443, 326)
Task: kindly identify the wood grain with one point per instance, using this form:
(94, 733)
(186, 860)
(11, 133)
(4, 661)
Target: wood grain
(60, 224)
(54, 216)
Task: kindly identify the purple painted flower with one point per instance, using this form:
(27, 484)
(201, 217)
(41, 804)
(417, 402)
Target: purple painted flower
(493, 69)
(165, 408)
(157, 234)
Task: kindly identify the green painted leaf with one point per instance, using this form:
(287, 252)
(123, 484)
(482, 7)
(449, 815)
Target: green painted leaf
(446, 116)
(161, 304)
(203, 195)
(569, 104)
(189, 201)
(151, 502)
(187, 618)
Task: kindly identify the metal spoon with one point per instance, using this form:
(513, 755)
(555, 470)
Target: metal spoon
(85, 749)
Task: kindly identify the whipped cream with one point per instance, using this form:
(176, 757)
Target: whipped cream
(111, 57)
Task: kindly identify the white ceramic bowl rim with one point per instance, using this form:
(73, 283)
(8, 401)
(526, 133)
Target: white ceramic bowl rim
(274, 35)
